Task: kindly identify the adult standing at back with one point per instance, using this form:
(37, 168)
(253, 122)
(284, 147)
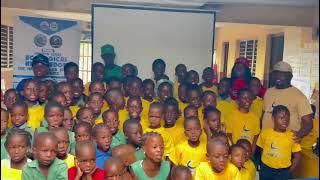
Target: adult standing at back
(111, 70)
(283, 93)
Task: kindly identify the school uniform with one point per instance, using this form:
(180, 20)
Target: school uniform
(57, 170)
(141, 174)
(36, 115)
(98, 174)
(3, 148)
(118, 139)
(70, 160)
(9, 173)
(205, 172)
(102, 157)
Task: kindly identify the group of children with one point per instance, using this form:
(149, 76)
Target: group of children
(132, 129)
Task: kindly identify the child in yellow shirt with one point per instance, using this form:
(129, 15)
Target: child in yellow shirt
(280, 153)
(249, 165)
(224, 101)
(17, 144)
(192, 151)
(134, 108)
(212, 123)
(148, 90)
(238, 155)
(63, 146)
(99, 87)
(209, 98)
(217, 166)
(85, 114)
(67, 90)
(30, 94)
(309, 140)
(172, 122)
(180, 72)
(155, 117)
(95, 102)
(208, 76)
(182, 95)
(194, 98)
(257, 104)
(79, 98)
(243, 124)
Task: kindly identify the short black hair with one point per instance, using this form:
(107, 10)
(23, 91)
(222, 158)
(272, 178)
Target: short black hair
(158, 61)
(97, 127)
(96, 64)
(280, 108)
(188, 108)
(147, 81)
(80, 111)
(40, 135)
(193, 87)
(171, 101)
(190, 119)
(53, 104)
(148, 135)
(180, 65)
(70, 65)
(208, 110)
(234, 146)
(179, 170)
(243, 90)
(95, 94)
(93, 83)
(20, 104)
(54, 95)
(63, 83)
(83, 124)
(28, 81)
(78, 80)
(20, 132)
(206, 93)
(243, 141)
(156, 104)
(128, 123)
(82, 144)
(7, 113)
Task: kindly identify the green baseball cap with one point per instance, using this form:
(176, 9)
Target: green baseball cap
(107, 49)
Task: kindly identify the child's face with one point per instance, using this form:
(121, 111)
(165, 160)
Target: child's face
(43, 93)
(103, 139)
(194, 98)
(193, 78)
(209, 100)
(193, 131)
(164, 92)
(117, 101)
(191, 112)
(54, 116)
(46, 151)
(134, 108)
(214, 122)
(207, 75)
(112, 121)
(63, 143)
(171, 114)
(182, 93)
(17, 148)
(40, 70)
(9, 99)
(127, 71)
(4, 122)
(134, 89)
(31, 91)
(67, 120)
(181, 72)
(96, 104)
(78, 89)
(255, 86)
(148, 90)
(248, 149)
(154, 117)
(245, 100)
(238, 157)
(86, 159)
(98, 73)
(19, 115)
(82, 134)
(223, 88)
(115, 171)
(68, 93)
(87, 116)
(218, 157)
(61, 100)
(71, 74)
(99, 88)
(281, 121)
(134, 134)
(154, 148)
(158, 69)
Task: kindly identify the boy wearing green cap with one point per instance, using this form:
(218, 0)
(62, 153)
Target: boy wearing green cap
(111, 69)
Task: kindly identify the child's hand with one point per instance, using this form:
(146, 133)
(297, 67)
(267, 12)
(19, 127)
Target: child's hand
(79, 172)
(89, 176)
(296, 137)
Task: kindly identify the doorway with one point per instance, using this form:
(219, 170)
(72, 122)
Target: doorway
(276, 54)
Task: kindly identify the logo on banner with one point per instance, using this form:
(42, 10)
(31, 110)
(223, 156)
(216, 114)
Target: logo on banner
(55, 41)
(40, 40)
(44, 25)
(54, 26)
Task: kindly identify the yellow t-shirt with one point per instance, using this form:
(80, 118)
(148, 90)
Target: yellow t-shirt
(8, 173)
(86, 88)
(188, 156)
(123, 116)
(213, 88)
(167, 138)
(244, 174)
(277, 148)
(74, 110)
(176, 89)
(293, 99)
(177, 133)
(249, 165)
(242, 126)
(36, 115)
(145, 107)
(105, 106)
(256, 106)
(308, 141)
(70, 161)
(205, 172)
(225, 107)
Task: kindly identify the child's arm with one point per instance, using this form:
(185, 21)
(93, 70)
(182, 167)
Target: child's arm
(134, 177)
(254, 143)
(295, 160)
(230, 137)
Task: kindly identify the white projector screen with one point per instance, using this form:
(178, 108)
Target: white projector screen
(142, 34)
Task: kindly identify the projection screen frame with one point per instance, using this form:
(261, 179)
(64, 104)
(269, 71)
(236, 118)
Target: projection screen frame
(150, 8)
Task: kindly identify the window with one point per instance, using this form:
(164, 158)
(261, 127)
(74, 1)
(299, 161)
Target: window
(248, 49)
(6, 46)
(225, 58)
(85, 61)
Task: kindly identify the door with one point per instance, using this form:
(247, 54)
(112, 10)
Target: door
(276, 54)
